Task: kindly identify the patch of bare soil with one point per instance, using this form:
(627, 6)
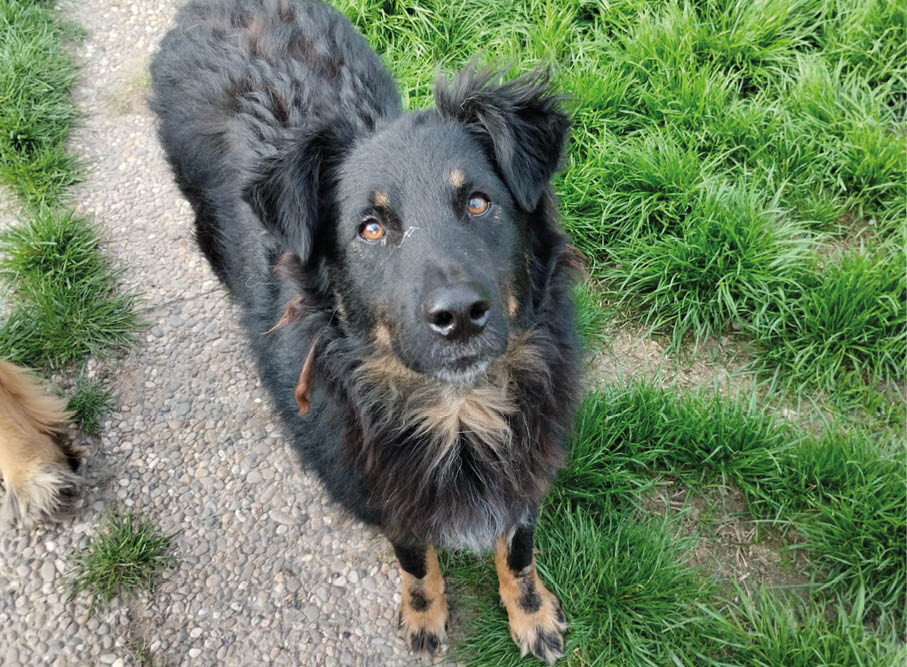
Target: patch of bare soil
(730, 545)
(128, 94)
(854, 232)
(632, 354)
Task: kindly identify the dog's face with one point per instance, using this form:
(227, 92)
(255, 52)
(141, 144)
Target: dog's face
(424, 223)
(432, 247)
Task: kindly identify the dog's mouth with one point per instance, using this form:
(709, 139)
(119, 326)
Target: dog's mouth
(463, 372)
(459, 363)
(465, 365)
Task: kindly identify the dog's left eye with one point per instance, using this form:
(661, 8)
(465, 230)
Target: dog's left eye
(371, 230)
(477, 204)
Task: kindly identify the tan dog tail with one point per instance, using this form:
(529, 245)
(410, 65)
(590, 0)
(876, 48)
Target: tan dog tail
(47, 413)
(37, 467)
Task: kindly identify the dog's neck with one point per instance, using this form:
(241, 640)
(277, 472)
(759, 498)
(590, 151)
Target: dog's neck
(446, 415)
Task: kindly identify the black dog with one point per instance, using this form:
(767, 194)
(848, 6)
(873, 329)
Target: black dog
(409, 270)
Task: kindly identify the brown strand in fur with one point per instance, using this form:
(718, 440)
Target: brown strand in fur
(575, 260)
(305, 377)
(292, 312)
(288, 266)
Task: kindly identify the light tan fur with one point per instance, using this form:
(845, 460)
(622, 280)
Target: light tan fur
(382, 335)
(33, 465)
(480, 414)
(445, 413)
(433, 619)
(340, 310)
(457, 177)
(526, 628)
(381, 199)
(511, 305)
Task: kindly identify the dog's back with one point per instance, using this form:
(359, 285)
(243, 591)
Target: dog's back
(236, 82)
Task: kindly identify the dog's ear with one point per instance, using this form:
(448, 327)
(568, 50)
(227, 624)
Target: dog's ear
(519, 121)
(293, 192)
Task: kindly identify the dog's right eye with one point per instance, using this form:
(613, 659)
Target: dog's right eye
(371, 230)
(478, 204)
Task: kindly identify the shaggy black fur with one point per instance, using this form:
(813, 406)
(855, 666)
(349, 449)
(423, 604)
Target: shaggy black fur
(285, 132)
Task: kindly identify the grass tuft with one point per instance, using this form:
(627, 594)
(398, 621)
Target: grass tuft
(590, 316)
(768, 630)
(36, 114)
(847, 501)
(124, 557)
(843, 327)
(66, 306)
(90, 403)
(728, 255)
(63, 305)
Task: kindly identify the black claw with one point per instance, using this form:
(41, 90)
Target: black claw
(424, 641)
(546, 642)
(555, 641)
(559, 615)
(417, 640)
(538, 649)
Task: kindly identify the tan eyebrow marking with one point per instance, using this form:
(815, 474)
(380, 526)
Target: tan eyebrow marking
(381, 200)
(457, 177)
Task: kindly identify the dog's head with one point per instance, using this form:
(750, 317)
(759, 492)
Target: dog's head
(426, 225)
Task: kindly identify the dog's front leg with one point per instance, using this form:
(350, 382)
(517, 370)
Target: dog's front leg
(537, 623)
(423, 608)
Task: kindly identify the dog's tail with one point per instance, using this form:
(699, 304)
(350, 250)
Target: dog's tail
(46, 413)
(37, 467)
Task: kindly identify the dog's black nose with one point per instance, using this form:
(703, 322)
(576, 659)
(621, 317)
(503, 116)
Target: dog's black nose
(456, 312)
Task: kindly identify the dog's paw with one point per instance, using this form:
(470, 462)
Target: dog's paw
(423, 620)
(537, 623)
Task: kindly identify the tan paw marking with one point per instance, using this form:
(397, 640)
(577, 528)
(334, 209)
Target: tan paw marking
(423, 608)
(537, 623)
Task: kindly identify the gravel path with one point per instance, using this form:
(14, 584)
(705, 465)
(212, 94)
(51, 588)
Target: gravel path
(269, 572)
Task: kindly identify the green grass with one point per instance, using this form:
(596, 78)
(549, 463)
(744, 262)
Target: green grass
(843, 327)
(590, 316)
(631, 597)
(66, 305)
(63, 303)
(769, 631)
(91, 401)
(848, 503)
(36, 114)
(840, 491)
(729, 256)
(124, 557)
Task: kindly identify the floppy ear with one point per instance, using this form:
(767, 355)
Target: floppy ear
(294, 190)
(520, 122)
